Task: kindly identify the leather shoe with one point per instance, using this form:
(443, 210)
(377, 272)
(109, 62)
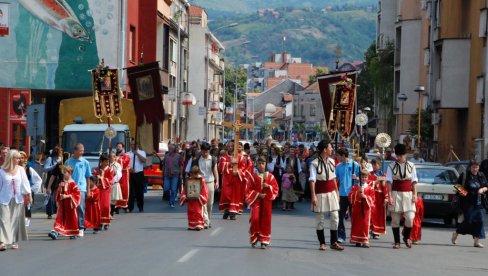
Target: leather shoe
(337, 246)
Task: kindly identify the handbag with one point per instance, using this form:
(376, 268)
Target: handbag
(115, 192)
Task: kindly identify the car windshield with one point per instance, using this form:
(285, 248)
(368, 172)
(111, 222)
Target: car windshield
(436, 176)
(91, 140)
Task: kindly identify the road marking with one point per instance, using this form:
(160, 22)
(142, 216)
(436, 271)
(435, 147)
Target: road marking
(216, 231)
(188, 256)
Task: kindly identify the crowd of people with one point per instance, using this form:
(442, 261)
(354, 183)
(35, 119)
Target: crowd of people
(263, 177)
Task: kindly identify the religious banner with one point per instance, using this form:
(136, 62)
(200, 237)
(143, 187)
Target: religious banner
(106, 92)
(145, 86)
(4, 19)
(338, 94)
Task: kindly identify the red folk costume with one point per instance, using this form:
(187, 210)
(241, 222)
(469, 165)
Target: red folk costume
(105, 181)
(416, 234)
(92, 213)
(232, 195)
(195, 205)
(124, 161)
(67, 218)
(361, 212)
(378, 214)
(261, 208)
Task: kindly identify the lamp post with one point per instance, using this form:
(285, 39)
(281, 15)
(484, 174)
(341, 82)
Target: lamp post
(419, 89)
(402, 97)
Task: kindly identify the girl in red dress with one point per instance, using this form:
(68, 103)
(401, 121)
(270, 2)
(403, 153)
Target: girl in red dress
(92, 212)
(196, 199)
(67, 200)
(362, 200)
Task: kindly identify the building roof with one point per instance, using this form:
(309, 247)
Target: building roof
(196, 10)
(314, 87)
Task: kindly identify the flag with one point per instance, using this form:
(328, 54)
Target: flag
(338, 94)
(145, 86)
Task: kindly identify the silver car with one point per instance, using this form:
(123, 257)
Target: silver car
(435, 187)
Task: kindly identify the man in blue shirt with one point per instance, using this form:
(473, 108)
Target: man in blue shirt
(81, 175)
(346, 173)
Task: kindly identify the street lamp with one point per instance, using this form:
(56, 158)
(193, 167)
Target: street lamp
(419, 89)
(402, 97)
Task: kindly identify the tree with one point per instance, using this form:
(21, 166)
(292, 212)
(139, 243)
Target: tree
(376, 82)
(230, 84)
(426, 129)
(313, 78)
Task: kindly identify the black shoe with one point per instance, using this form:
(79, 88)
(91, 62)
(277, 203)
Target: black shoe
(226, 215)
(233, 217)
(105, 227)
(130, 211)
(125, 210)
(53, 235)
(358, 244)
(117, 211)
(141, 210)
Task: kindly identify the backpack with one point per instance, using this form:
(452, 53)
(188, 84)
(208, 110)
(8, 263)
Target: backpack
(196, 161)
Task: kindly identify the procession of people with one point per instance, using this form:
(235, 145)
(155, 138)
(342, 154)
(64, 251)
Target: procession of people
(253, 176)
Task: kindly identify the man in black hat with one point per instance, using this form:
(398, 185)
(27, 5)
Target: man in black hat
(401, 178)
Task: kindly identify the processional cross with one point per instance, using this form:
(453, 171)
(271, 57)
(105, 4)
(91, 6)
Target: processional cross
(237, 125)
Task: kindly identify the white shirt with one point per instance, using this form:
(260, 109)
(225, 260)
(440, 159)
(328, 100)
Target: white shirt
(36, 180)
(139, 166)
(21, 187)
(117, 168)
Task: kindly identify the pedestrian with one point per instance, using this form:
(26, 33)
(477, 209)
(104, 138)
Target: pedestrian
(115, 191)
(81, 176)
(55, 176)
(416, 158)
(346, 173)
(475, 184)
(261, 190)
(208, 167)
(362, 200)
(92, 214)
(3, 154)
(401, 178)
(195, 193)
(378, 214)
(14, 191)
(68, 198)
(325, 194)
(105, 177)
(124, 160)
(287, 183)
(136, 192)
(35, 182)
(173, 163)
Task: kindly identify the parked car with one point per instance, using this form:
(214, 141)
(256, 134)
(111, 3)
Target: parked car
(153, 174)
(460, 166)
(435, 187)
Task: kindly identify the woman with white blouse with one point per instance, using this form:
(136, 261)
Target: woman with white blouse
(14, 190)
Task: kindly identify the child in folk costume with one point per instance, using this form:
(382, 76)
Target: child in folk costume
(378, 214)
(67, 200)
(105, 177)
(361, 198)
(288, 194)
(195, 193)
(261, 190)
(92, 209)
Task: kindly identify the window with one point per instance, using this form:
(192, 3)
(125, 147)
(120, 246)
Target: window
(173, 50)
(312, 110)
(172, 81)
(132, 44)
(166, 48)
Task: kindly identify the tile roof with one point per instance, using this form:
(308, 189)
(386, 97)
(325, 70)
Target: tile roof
(196, 10)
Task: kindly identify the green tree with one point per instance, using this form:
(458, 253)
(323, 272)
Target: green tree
(313, 78)
(230, 84)
(426, 129)
(376, 81)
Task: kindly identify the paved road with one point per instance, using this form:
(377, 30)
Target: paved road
(157, 243)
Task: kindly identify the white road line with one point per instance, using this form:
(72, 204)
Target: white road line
(216, 231)
(188, 255)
